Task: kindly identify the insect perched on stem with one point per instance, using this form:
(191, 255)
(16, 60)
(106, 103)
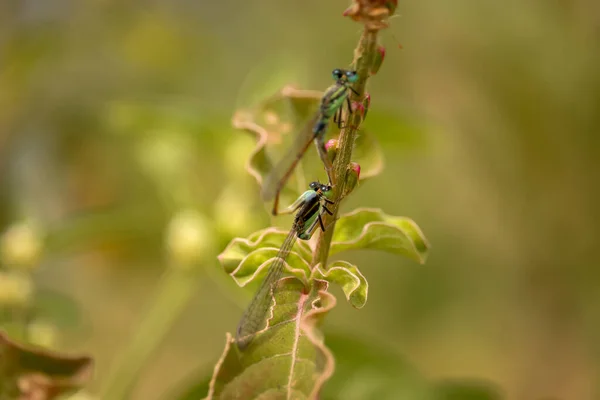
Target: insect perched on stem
(309, 208)
(330, 107)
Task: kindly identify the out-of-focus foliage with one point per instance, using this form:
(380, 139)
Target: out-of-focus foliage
(115, 118)
(28, 373)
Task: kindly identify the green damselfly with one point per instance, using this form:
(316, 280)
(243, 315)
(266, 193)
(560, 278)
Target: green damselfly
(331, 106)
(309, 208)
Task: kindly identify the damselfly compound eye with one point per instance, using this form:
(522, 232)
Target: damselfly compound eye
(352, 76)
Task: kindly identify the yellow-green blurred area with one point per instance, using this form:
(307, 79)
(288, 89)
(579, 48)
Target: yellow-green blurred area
(115, 119)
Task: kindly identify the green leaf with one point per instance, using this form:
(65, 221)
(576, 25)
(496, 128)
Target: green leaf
(239, 248)
(368, 369)
(369, 228)
(285, 360)
(259, 260)
(28, 373)
(350, 279)
(244, 259)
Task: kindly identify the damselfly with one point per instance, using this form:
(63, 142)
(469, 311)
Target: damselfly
(331, 106)
(309, 206)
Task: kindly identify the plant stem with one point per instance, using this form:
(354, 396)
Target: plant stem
(175, 289)
(364, 54)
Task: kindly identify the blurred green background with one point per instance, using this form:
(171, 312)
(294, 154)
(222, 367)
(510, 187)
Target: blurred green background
(115, 116)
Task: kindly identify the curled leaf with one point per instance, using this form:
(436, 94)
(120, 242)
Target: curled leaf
(34, 374)
(238, 249)
(351, 280)
(370, 228)
(259, 260)
(287, 359)
(277, 121)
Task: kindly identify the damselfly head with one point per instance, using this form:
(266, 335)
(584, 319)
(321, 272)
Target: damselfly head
(344, 75)
(316, 185)
(351, 76)
(319, 187)
(325, 188)
(337, 74)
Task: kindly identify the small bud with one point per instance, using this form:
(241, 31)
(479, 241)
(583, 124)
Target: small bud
(21, 246)
(331, 148)
(15, 289)
(42, 334)
(379, 56)
(352, 178)
(356, 106)
(189, 238)
(366, 104)
(362, 107)
(355, 167)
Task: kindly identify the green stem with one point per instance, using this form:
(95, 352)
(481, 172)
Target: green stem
(364, 54)
(175, 289)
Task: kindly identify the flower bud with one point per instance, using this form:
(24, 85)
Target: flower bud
(379, 56)
(21, 246)
(352, 178)
(189, 238)
(16, 289)
(331, 147)
(366, 104)
(358, 106)
(362, 107)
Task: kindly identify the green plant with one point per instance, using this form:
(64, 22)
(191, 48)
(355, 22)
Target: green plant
(288, 357)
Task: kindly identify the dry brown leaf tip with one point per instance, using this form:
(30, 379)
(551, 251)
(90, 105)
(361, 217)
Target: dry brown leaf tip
(372, 13)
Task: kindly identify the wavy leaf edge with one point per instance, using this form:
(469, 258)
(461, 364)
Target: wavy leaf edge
(352, 293)
(422, 254)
